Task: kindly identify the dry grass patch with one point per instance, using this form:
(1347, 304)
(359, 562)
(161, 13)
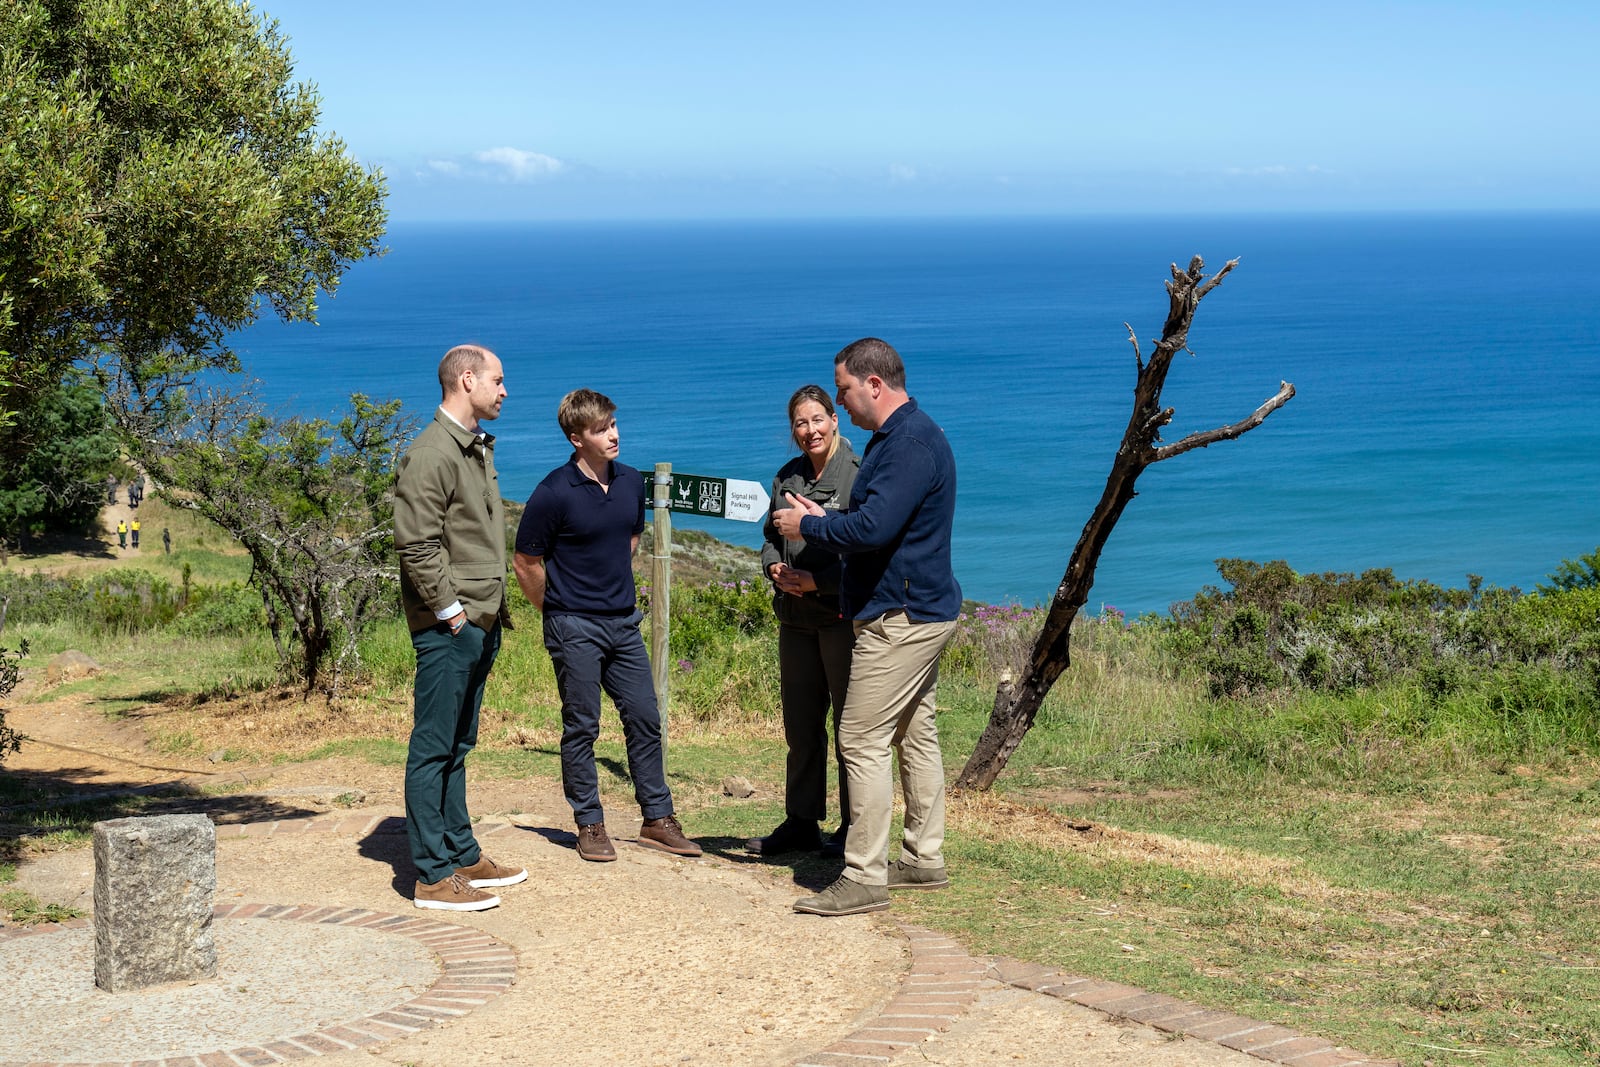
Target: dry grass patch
(276, 723)
(991, 817)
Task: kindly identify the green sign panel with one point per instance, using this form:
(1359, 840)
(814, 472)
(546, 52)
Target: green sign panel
(723, 498)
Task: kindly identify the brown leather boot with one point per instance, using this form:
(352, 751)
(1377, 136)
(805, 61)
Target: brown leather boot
(665, 834)
(595, 844)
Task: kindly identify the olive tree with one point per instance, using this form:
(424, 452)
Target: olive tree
(313, 504)
(164, 182)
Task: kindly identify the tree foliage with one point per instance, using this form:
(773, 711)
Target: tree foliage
(63, 445)
(165, 182)
(164, 179)
(10, 675)
(1580, 573)
(312, 502)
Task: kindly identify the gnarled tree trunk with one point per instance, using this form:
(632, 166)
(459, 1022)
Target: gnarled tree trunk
(1017, 703)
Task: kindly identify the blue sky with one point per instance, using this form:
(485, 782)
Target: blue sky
(535, 110)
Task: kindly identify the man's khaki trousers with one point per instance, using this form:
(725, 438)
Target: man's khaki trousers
(890, 706)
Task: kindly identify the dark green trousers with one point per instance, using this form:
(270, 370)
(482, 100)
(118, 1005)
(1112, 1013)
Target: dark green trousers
(451, 674)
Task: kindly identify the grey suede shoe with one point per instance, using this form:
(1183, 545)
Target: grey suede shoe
(904, 876)
(845, 897)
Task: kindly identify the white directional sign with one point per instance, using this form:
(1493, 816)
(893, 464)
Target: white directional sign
(727, 498)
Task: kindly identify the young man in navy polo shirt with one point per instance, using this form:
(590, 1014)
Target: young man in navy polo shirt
(574, 561)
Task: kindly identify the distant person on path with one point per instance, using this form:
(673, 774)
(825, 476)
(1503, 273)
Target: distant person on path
(449, 531)
(122, 533)
(166, 540)
(111, 489)
(133, 529)
(133, 493)
(574, 562)
(900, 590)
(814, 638)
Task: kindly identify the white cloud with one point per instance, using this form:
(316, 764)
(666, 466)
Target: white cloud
(444, 166)
(1276, 170)
(521, 166)
(900, 174)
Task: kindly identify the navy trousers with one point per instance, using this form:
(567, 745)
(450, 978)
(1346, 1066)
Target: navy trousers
(591, 653)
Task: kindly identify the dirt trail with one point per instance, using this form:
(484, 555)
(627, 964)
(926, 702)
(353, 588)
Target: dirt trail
(652, 959)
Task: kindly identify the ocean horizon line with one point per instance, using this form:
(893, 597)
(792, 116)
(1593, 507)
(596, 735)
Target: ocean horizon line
(1282, 214)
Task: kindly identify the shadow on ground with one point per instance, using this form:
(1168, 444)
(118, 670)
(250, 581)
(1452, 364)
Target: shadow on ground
(34, 805)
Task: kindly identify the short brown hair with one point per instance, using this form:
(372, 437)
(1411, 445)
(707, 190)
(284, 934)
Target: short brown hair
(582, 409)
(458, 361)
(870, 356)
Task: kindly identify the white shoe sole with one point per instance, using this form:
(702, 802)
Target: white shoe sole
(464, 905)
(491, 883)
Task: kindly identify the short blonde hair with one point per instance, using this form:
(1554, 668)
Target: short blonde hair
(582, 409)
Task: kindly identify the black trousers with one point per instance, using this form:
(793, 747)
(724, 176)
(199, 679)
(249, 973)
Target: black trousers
(814, 673)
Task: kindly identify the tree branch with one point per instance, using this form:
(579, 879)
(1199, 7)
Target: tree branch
(1017, 704)
(1133, 339)
(1216, 279)
(1229, 432)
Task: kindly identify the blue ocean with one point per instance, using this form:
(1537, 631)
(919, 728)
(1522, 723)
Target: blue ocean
(1446, 369)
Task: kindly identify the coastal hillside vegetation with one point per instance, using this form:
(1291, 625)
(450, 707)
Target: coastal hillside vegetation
(1356, 804)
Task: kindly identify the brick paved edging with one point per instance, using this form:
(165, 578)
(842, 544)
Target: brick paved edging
(944, 981)
(477, 967)
(941, 985)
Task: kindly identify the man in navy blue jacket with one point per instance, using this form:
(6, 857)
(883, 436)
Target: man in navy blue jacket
(899, 588)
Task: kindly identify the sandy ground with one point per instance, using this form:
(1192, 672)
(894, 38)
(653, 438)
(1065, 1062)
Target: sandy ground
(649, 960)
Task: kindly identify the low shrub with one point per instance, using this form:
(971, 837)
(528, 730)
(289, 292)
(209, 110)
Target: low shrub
(1492, 668)
(10, 675)
(222, 609)
(120, 601)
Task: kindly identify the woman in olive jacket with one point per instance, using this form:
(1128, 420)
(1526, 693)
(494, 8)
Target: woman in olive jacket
(814, 642)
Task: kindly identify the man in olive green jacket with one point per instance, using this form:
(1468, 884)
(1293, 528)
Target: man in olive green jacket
(449, 530)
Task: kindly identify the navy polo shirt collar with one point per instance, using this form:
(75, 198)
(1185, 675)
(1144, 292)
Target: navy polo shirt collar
(576, 476)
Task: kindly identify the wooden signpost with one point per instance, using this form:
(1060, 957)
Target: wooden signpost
(723, 498)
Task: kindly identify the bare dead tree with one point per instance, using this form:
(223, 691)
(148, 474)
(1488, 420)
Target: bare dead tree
(1016, 704)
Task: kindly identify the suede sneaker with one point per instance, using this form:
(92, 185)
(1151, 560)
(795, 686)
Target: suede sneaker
(792, 835)
(452, 894)
(486, 873)
(595, 844)
(665, 834)
(845, 897)
(904, 876)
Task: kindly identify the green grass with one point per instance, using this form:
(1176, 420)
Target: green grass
(1399, 871)
(145, 668)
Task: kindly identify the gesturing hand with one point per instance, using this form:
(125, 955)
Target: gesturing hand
(787, 520)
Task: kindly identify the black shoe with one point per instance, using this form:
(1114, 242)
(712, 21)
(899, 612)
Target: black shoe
(792, 835)
(833, 847)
